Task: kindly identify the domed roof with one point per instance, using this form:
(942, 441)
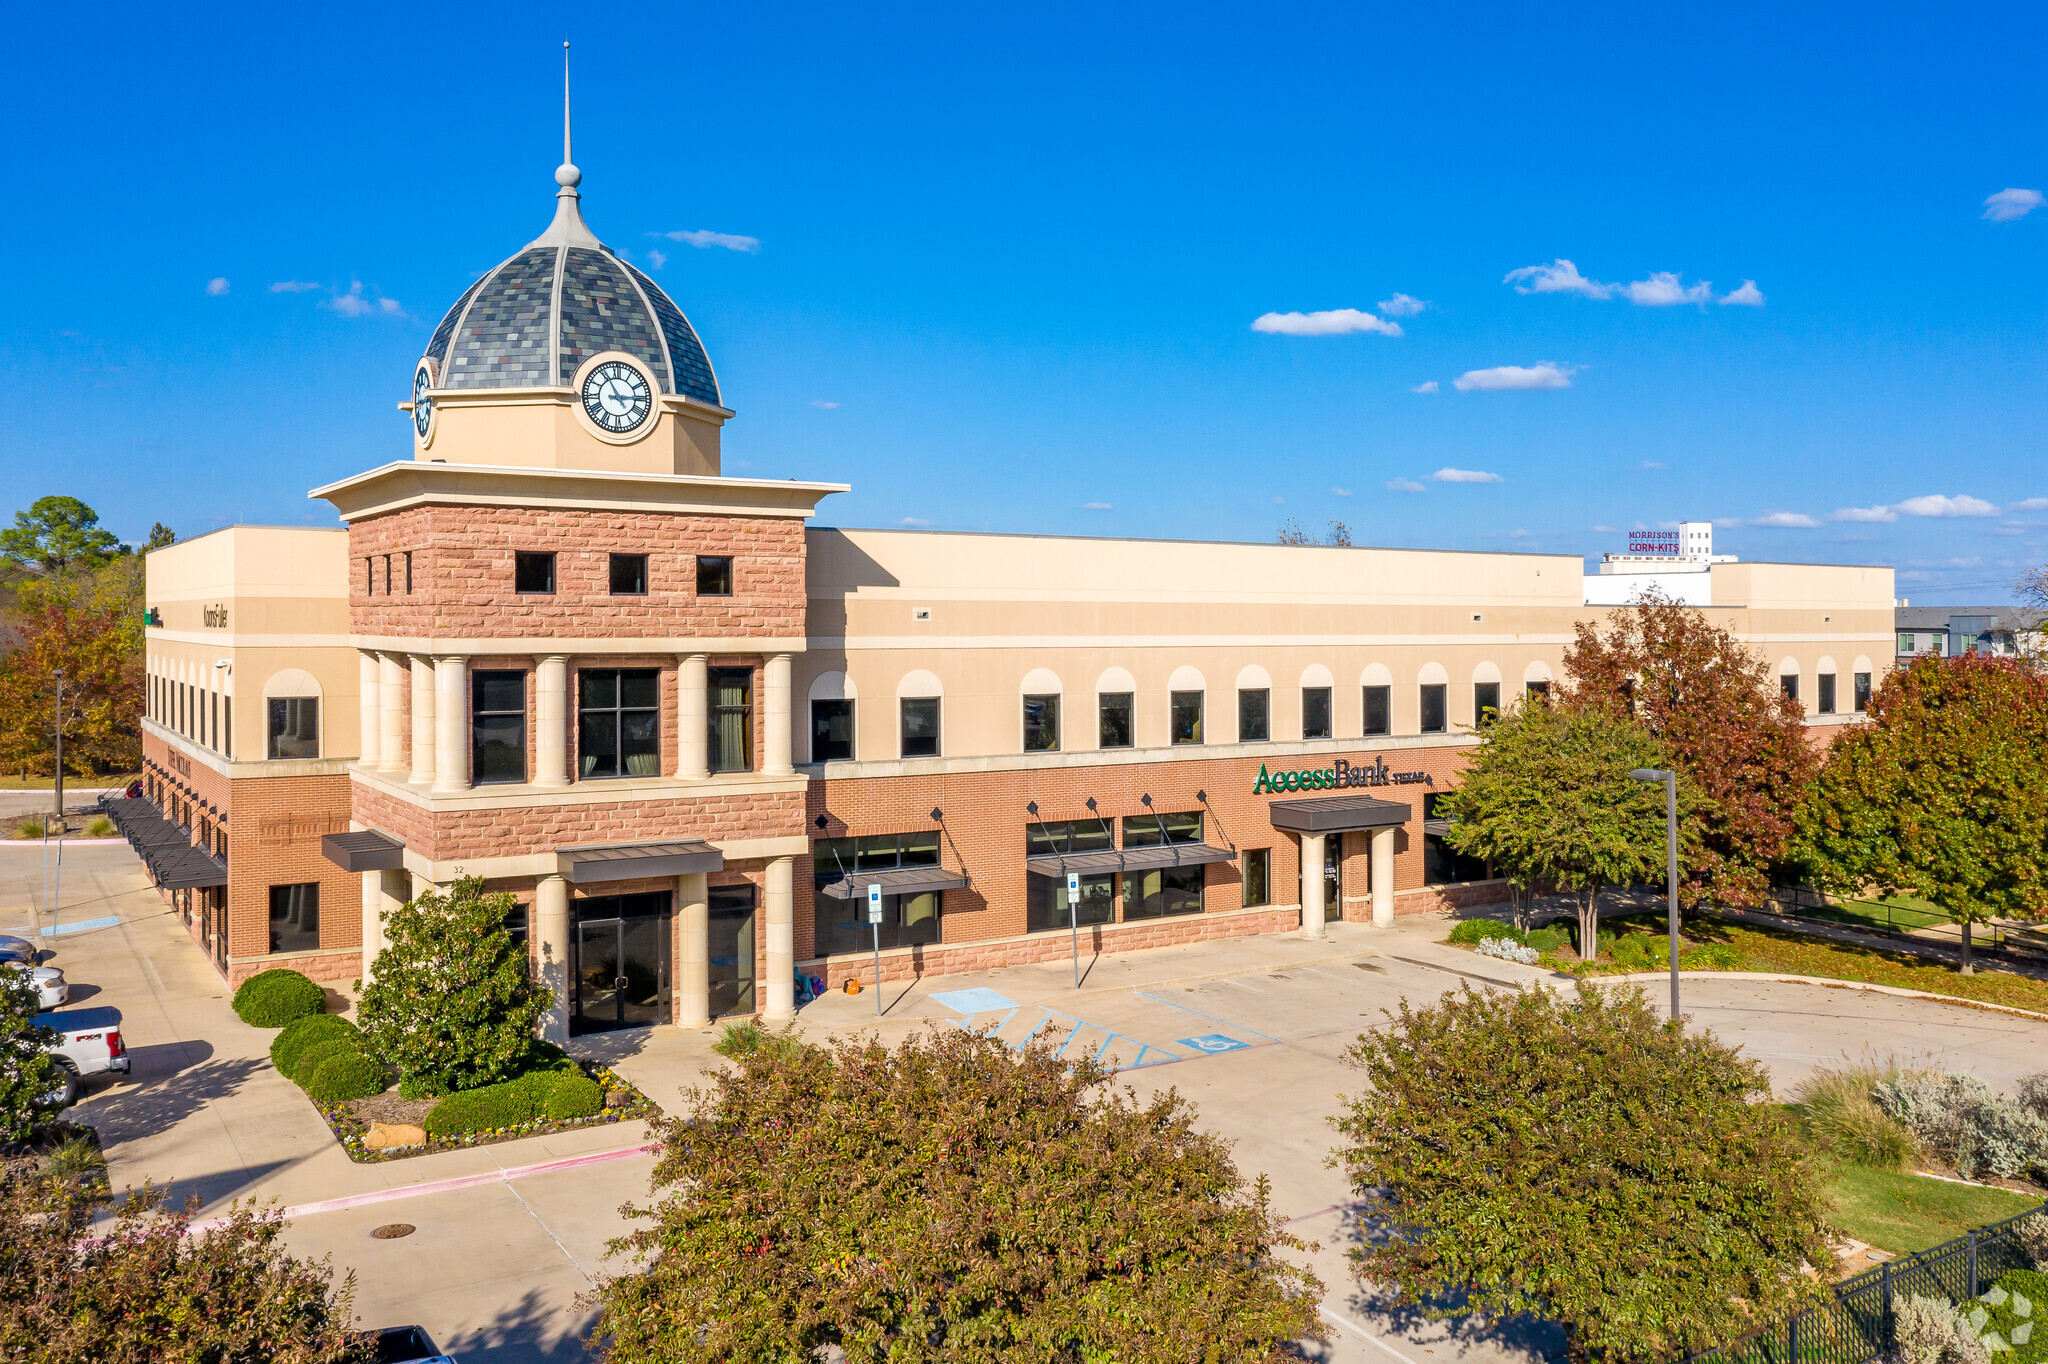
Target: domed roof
(562, 299)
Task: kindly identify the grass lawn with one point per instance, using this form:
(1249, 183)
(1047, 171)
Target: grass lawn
(1903, 1213)
(1897, 912)
(1796, 955)
(16, 782)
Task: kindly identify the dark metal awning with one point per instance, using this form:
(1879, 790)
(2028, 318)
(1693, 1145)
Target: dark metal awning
(1339, 814)
(600, 862)
(895, 881)
(1439, 827)
(363, 850)
(189, 869)
(168, 852)
(1127, 859)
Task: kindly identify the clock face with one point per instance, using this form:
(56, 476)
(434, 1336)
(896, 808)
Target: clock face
(616, 396)
(422, 405)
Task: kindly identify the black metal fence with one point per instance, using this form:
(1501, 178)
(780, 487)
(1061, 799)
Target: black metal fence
(1886, 921)
(1861, 1321)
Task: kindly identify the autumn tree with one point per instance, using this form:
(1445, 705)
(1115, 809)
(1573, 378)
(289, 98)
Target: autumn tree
(1943, 795)
(57, 533)
(950, 1199)
(98, 650)
(1547, 798)
(1731, 733)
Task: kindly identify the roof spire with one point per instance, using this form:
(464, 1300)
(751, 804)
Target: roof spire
(566, 175)
(568, 228)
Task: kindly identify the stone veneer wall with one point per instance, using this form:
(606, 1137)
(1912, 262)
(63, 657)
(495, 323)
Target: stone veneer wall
(514, 831)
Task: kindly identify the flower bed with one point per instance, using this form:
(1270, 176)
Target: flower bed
(623, 1103)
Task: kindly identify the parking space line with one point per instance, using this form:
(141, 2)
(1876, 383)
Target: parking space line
(1335, 1320)
(1211, 1017)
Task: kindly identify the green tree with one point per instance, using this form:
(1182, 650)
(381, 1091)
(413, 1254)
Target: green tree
(949, 1200)
(28, 1073)
(1730, 731)
(451, 999)
(144, 1288)
(160, 536)
(57, 533)
(1547, 799)
(1570, 1155)
(1943, 795)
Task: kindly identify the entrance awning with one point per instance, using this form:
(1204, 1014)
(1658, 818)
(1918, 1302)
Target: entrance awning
(1127, 859)
(363, 850)
(600, 862)
(894, 881)
(1339, 814)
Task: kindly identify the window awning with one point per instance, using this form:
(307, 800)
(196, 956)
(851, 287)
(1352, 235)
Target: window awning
(600, 862)
(1127, 859)
(1439, 827)
(894, 881)
(189, 868)
(363, 850)
(1338, 814)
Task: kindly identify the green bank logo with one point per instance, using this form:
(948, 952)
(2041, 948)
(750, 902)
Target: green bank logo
(1343, 776)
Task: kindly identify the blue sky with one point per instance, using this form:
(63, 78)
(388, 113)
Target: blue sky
(1006, 265)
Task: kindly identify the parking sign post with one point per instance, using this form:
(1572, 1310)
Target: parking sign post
(1074, 920)
(875, 926)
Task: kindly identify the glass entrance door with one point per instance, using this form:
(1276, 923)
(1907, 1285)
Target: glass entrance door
(732, 950)
(1333, 879)
(622, 962)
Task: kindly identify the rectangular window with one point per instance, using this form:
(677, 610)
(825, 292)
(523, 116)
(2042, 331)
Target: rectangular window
(714, 575)
(1258, 877)
(1045, 897)
(1443, 865)
(516, 922)
(294, 727)
(497, 727)
(1433, 717)
(1905, 644)
(213, 721)
(387, 575)
(1862, 692)
(1539, 688)
(907, 919)
(1485, 702)
(1254, 715)
(533, 573)
(1315, 713)
(1788, 683)
(295, 917)
(1042, 724)
(732, 719)
(1151, 831)
(369, 577)
(1113, 719)
(629, 575)
(920, 726)
(831, 731)
(1185, 720)
(618, 722)
(408, 573)
(1379, 710)
(227, 722)
(1162, 892)
(1826, 698)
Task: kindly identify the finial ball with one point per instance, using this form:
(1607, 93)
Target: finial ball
(567, 176)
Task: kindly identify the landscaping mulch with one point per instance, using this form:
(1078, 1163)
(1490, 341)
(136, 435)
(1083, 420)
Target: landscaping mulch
(391, 1108)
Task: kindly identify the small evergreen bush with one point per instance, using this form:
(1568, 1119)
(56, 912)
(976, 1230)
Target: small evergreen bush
(1712, 956)
(317, 1055)
(301, 1033)
(556, 1095)
(276, 997)
(1965, 1122)
(2010, 1319)
(574, 1096)
(1548, 938)
(1471, 932)
(1507, 949)
(1641, 951)
(346, 1075)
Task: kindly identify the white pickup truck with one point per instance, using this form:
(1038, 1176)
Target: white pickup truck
(88, 1043)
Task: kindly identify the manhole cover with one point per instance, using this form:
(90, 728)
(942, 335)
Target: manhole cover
(391, 1231)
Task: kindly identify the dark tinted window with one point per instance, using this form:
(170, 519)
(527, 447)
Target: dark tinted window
(1433, 721)
(1442, 864)
(1041, 724)
(714, 575)
(920, 726)
(1254, 715)
(629, 575)
(1258, 876)
(1315, 713)
(831, 731)
(618, 718)
(1185, 722)
(294, 726)
(1789, 684)
(1862, 692)
(295, 917)
(1166, 891)
(1379, 710)
(1149, 830)
(533, 572)
(1485, 701)
(1113, 719)
(1826, 699)
(1540, 688)
(1045, 897)
(497, 727)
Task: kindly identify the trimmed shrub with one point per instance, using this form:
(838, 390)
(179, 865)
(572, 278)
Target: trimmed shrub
(1641, 951)
(347, 1075)
(1548, 938)
(290, 1044)
(479, 1110)
(276, 997)
(1713, 956)
(574, 1096)
(2010, 1309)
(1930, 1331)
(316, 1055)
(1471, 932)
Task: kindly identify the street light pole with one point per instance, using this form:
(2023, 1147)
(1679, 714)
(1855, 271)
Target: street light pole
(57, 815)
(1669, 780)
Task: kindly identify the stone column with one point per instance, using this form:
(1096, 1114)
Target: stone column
(551, 934)
(451, 723)
(369, 688)
(693, 951)
(775, 762)
(1383, 878)
(693, 716)
(1312, 885)
(391, 696)
(422, 718)
(780, 972)
(373, 928)
(551, 720)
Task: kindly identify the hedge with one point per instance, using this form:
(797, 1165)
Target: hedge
(276, 997)
(317, 1055)
(1474, 931)
(574, 1096)
(346, 1075)
(554, 1094)
(301, 1033)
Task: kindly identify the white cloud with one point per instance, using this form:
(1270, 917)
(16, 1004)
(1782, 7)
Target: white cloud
(293, 286)
(1783, 520)
(2009, 204)
(1558, 277)
(1404, 485)
(1450, 475)
(1279, 501)
(729, 240)
(1606, 530)
(1427, 386)
(657, 258)
(822, 405)
(1401, 305)
(1662, 290)
(354, 304)
(916, 523)
(1649, 464)
(1871, 514)
(1936, 504)
(1501, 377)
(2030, 504)
(217, 286)
(1748, 296)
(1331, 322)
(1340, 492)
(1096, 506)
(1518, 535)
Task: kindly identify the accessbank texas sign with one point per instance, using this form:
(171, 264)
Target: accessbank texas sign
(1344, 775)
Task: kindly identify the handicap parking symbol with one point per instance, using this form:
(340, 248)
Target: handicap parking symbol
(1213, 1043)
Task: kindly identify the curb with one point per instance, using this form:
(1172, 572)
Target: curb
(1644, 977)
(62, 842)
